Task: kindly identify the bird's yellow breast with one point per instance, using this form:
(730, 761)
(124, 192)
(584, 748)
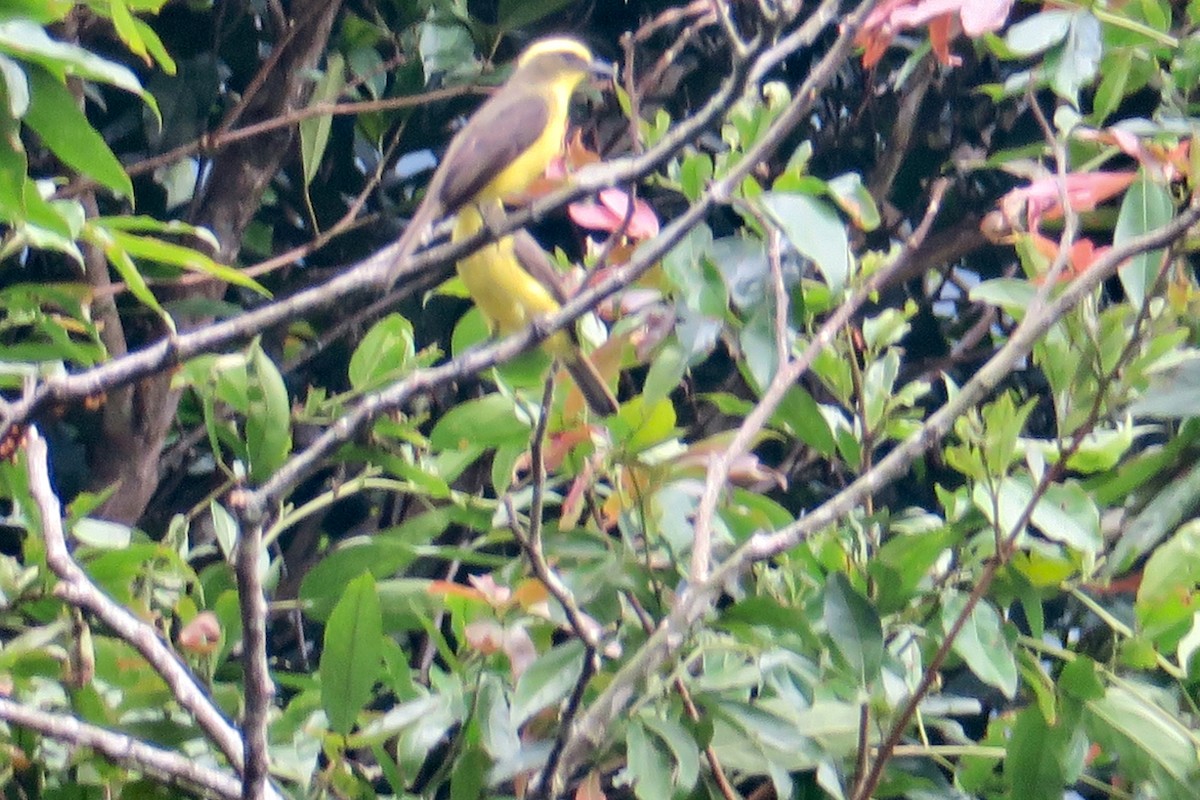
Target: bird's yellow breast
(531, 164)
(507, 296)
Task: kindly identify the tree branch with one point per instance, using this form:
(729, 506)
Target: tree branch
(169, 766)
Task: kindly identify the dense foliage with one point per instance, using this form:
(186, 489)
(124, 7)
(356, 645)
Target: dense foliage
(899, 302)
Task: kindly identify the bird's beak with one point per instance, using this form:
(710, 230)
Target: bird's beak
(602, 70)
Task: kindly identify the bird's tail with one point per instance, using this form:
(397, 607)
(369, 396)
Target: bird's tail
(590, 382)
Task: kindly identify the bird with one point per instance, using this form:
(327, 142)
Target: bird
(513, 282)
(508, 142)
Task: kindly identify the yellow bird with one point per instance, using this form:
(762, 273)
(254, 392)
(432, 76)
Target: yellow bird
(513, 282)
(508, 142)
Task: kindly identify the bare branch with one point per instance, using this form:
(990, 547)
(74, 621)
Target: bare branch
(169, 766)
(78, 590)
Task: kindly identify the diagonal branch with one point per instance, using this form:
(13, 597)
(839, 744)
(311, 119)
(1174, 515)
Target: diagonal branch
(171, 767)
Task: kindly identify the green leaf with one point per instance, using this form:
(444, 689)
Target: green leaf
(123, 264)
(28, 41)
(682, 746)
(467, 779)
(1038, 33)
(903, 563)
(1174, 503)
(268, 416)
(547, 680)
(102, 533)
(1035, 768)
(123, 22)
(1079, 58)
(385, 353)
(815, 230)
(1064, 513)
(648, 767)
(1011, 295)
(640, 426)
(665, 373)
(174, 255)
(56, 117)
(1166, 598)
(981, 642)
(512, 15)
(487, 422)
(854, 628)
(16, 87)
(1146, 207)
(854, 199)
(1129, 718)
(351, 658)
(314, 131)
(799, 414)
(155, 46)
(1113, 80)
(225, 529)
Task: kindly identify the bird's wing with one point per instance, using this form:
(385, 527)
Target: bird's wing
(503, 128)
(537, 263)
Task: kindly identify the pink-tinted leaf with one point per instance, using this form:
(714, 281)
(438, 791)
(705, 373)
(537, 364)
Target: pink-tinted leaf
(984, 16)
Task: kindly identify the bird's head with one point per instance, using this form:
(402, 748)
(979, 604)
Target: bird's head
(563, 58)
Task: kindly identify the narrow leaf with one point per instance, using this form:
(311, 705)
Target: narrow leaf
(352, 654)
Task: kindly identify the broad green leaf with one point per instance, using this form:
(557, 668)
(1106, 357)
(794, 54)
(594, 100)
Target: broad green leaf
(1076, 63)
(498, 733)
(981, 642)
(486, 422)
(547, 680)
(1166, 598)
(815, 230)
(640, 426)
(55, 115)
(1064, 512)
(1146, 207)
(1128, 717)
(1011, 295)
(665, 373)
(1165, 511)
(102, 533)
(682, 746)
(469, 775)
(854, 628)
(314, 131)
(268, 416)
(647, 766)
(800, 415)
(904, 562)
(1113, 80)
(351, 658)
(385, 353)
(853, 198)
(1038, 33)
(1035, 768)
